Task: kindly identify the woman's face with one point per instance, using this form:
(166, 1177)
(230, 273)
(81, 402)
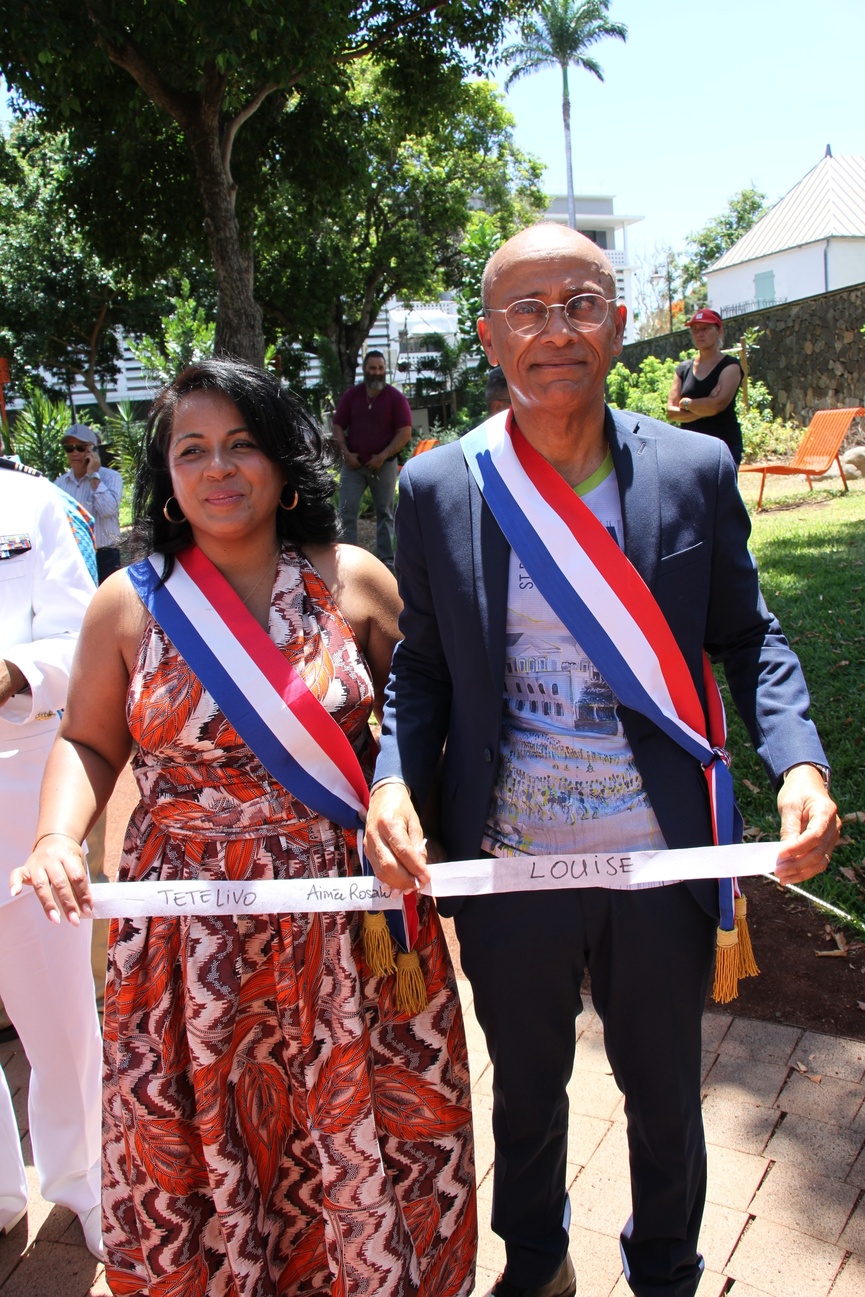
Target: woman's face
(225, 485)
(705, 335)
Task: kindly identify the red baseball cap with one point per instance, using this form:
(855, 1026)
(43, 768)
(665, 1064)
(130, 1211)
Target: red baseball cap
(706, 316)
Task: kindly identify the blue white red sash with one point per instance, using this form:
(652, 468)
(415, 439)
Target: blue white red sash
(263, 696)
(603, 601)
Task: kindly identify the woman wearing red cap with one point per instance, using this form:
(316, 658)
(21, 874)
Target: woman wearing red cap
(703, 395)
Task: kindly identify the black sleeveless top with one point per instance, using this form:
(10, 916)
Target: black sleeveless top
(724, 424)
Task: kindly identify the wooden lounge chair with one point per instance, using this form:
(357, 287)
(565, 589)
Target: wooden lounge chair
(818, 449)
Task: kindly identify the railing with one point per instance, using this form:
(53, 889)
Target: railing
(745, 308)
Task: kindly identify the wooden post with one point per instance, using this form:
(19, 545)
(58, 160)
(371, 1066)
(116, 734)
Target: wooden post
(743, 354)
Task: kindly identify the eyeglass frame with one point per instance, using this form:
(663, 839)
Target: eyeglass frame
(563, 306)
(71, 450)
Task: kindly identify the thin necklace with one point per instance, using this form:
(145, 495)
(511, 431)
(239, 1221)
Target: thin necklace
(271, 565)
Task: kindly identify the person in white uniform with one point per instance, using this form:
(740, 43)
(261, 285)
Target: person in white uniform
(45, 977)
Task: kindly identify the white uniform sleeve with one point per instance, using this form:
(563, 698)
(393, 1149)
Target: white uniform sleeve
(60, 589)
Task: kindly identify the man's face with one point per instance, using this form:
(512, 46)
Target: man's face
(374, 373)
(557, 369)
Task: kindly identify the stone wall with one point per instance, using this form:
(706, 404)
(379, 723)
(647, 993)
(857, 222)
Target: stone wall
(811, 355)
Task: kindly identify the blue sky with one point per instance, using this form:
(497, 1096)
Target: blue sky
(701, 101)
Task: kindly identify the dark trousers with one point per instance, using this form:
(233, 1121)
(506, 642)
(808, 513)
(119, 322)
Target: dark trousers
(649, 954)
(107, 561)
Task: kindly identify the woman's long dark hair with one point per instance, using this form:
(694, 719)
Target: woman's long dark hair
(286, 433)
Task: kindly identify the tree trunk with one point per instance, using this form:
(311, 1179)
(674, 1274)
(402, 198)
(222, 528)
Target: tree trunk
(569, 169)
(239, 330)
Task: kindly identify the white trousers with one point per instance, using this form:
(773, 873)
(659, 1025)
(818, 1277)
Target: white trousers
(47, 987)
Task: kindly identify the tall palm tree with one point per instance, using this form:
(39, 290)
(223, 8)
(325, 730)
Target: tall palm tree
(562, 32)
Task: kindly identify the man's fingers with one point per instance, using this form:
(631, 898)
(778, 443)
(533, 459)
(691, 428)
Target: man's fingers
(393, 839)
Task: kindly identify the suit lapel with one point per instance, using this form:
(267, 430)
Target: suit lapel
(635, 458)
(490, 556)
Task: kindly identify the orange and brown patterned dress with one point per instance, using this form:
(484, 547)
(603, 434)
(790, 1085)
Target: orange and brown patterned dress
(272, 1124)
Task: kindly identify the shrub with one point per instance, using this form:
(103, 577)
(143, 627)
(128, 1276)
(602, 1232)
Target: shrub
(37, 433)
(646, 390)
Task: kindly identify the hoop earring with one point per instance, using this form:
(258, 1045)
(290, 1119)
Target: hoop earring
(287, 507)
(176, 522)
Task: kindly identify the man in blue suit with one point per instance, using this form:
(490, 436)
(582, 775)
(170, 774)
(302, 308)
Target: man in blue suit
(539, 756)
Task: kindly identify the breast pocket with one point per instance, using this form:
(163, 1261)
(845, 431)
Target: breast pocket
(682, 591)
(680, 559)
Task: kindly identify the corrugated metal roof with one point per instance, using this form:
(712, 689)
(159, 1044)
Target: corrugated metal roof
(827, 203)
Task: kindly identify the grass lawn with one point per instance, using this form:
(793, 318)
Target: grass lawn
(811, 550)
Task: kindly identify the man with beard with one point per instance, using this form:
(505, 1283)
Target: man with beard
(371, 425)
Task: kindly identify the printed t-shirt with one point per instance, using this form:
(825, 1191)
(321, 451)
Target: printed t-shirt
(567, 779)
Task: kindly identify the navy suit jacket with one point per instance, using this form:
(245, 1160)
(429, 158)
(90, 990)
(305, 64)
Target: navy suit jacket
(686, 532)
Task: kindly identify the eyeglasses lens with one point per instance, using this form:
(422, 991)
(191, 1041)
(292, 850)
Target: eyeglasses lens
(70, 449)
(583, 313)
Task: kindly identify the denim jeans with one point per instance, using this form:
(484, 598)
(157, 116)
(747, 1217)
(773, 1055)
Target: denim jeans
(382, 487)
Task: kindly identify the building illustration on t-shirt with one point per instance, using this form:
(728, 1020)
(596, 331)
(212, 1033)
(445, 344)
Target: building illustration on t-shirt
(562, 692)
(565, 763)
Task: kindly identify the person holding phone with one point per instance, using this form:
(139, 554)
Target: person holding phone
(98, 488)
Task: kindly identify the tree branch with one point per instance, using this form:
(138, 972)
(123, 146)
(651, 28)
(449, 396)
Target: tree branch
(385, 34)
(236, 122)
(88, 377)
(127, 56)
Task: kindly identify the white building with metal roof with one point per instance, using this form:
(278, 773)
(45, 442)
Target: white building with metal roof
(810, 242)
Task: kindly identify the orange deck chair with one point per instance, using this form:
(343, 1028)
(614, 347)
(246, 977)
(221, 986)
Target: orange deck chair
(426, 443)
(818, 449)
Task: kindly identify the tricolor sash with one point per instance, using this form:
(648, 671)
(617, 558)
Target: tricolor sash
(263, 697)
(603, 601)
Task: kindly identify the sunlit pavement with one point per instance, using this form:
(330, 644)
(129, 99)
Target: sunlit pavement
(785, 1124)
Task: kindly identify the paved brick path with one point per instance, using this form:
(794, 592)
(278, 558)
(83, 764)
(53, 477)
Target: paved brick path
(786, 1202)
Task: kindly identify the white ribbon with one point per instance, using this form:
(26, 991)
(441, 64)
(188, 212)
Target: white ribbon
(615, 870)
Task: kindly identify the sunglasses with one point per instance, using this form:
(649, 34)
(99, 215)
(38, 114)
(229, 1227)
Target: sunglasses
(69, 449)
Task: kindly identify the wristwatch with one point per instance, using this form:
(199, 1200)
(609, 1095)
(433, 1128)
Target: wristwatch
(824, 772)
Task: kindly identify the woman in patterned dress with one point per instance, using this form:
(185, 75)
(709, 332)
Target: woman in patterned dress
(273, 1124)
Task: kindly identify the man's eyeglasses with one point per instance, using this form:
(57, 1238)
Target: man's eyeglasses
(69, 449)
(583, 313)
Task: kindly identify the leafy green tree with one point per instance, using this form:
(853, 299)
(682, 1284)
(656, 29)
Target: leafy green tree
(561, 35)
(60, 305)
(709, 243)
(406, 176)
(483, 237)
(187, 336)
(124, 432)
(225, 81)
(36, 433)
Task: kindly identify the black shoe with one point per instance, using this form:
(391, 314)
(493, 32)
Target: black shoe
(562, 1284)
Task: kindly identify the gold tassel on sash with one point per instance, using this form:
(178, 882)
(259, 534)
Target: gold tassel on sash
(726, 966)
(411, 996)
(377, 944)
(747, 962)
